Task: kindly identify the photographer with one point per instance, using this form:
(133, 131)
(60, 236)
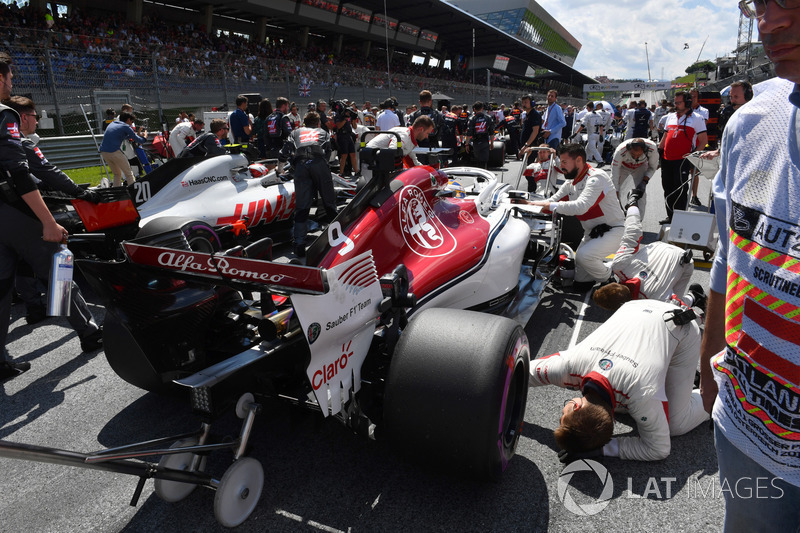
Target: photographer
(345, 141)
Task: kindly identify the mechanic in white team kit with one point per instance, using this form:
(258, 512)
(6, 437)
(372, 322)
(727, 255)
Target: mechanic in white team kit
(588, 194)
(541, 179)
(183, 134)
(657, 271)
(636, 158)
(642, 359)
(593, 125)
(409, 137)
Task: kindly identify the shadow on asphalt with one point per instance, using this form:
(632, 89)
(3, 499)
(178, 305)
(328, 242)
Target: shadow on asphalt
(319, 475)
(41, 394)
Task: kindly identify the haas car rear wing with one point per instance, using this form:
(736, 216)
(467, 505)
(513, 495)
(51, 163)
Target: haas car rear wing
(338, 310)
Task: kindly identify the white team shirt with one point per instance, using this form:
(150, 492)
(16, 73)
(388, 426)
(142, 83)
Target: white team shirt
(651, 271)
(630, 364)
(591, 198)
(625, 164)
(592, 122)
(390, 141)
(387, 120)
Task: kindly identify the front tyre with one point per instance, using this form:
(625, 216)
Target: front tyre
(457, 390)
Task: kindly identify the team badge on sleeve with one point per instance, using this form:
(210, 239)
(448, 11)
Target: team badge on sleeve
(13, 130)
(40, 154)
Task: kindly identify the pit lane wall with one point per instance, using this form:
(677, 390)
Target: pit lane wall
(64, 83)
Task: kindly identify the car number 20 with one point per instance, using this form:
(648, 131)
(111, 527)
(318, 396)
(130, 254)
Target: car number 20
(142, 189)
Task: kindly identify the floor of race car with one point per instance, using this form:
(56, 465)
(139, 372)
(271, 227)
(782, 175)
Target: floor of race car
(320, 476)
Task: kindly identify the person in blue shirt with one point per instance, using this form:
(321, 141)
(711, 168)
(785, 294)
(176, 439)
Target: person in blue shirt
(241, 128)
(554, 121)
(110, 149)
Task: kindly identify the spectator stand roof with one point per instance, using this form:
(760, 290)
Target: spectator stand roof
(453, 25)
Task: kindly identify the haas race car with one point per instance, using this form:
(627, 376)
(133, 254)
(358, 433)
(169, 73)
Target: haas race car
(233, 193)
(405, 324)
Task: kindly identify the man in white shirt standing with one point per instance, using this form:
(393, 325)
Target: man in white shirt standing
(388, 118)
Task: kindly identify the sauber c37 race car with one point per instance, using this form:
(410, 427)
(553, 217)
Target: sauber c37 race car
(401, 326)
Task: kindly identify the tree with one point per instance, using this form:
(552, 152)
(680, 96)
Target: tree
(702, 66)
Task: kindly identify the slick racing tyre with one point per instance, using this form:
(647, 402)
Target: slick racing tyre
(200, 235)
(457, 389)
(497, 155)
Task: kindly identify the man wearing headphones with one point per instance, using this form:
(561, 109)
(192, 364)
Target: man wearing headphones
(684, 132)
(741, 93)
(638, 159)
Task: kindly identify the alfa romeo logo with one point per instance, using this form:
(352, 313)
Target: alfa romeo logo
(585, 509)
(313, 332)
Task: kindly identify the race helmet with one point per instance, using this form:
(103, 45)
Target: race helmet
(257, 170)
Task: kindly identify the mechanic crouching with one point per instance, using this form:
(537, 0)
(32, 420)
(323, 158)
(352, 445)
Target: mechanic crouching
(643, 359)
(309, 149)
(409, 138)
(209, 143)
(588, 194)
(657, 271)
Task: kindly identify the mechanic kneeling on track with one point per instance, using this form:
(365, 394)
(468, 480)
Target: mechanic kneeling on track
(588, 194)
(209, 143)
(656, 271)
(642, 359)
(309, 148)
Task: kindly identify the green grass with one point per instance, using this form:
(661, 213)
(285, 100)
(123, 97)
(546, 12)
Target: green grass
(90, 175)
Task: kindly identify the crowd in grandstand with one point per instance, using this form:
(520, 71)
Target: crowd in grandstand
(109, 43)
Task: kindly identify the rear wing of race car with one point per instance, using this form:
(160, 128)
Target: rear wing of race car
(338, 310)
(221, 268)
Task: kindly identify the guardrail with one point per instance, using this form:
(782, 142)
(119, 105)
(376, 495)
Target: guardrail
(75, 151)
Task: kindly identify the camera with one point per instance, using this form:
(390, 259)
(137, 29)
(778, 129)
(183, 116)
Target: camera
(341, 110)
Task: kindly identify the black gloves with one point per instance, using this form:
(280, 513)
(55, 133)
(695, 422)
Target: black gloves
(567, 457)
(599, 230)
(91, 196)
(634, 195)
(699, 295)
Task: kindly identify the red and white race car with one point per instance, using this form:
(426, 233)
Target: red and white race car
(405, 324)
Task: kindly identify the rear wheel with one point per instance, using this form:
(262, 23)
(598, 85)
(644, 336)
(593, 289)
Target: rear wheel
(497, 155)
(457, 389)
(200, 235)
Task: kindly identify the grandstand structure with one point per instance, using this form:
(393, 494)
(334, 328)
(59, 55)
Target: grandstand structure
(165, 55)
(530, 22)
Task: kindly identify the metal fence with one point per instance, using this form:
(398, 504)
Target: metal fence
(74, 86)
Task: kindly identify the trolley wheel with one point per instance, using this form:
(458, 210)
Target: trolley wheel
(242, 405)
(175, 491)
(707, 255)
(238, 492)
